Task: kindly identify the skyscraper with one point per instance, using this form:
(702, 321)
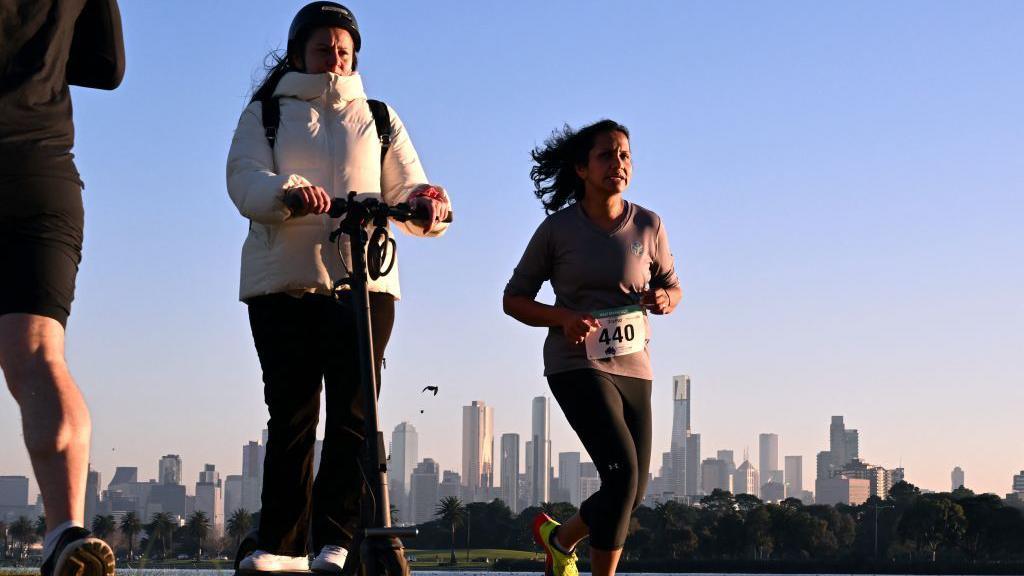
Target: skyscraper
(715, 476)
(423, 491)
(252, 476)
(569, 475)
(404, 455)
(692, 487)
(541, 454)
(823, 465)
(768, 454)
(1018, 483)
(478, 449)
(852, 445)
(92, 495)
(729, 458)
(13, 491)
(837, 441)
(680, 432)
(170, 469)
(794, 476)
(209, 498)
(957, 478)
(747, 480)
(233, 494)
(510, 471)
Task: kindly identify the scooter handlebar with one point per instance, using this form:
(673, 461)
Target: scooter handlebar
(339, 206)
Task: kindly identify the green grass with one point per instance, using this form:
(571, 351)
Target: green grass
(433, 558)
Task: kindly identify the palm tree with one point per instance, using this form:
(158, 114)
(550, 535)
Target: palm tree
(3, 538)
(198, 528)
(130, 527)
(103, 526)
(239, 525)
(453, 511)
(40, 526)
(22, 531)
(161, 528)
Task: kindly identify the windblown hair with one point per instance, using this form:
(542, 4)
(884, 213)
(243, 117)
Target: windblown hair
(278, 63)
(554, 177)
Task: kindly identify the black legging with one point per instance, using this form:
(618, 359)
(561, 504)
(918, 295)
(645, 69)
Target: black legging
(301, 343)
(611, 414)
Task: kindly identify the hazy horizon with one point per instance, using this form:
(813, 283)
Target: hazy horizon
(841, 185)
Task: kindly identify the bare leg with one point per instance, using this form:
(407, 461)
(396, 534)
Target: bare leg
(604, 562)
(570, 533)
(54, 418)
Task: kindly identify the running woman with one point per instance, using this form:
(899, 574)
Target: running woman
(609, 264)
(45, 46)
(325, 144)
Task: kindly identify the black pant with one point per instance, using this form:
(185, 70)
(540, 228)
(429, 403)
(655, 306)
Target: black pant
(41, 220)
(302, 343)
(612, 416)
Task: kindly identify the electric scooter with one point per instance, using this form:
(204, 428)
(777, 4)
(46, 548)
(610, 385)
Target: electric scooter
(380, 550)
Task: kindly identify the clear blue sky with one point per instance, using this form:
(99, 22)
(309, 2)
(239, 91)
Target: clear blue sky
(841, 183)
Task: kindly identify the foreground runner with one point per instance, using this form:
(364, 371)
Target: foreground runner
(45, 46)
(609, 263)
(324, 144)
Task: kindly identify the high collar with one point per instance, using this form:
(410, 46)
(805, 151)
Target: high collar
(330, 86)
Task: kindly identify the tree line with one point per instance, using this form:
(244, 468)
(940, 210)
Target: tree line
(161, 538)
(906, 526)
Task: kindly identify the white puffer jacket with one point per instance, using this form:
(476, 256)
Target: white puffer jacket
(326, 138)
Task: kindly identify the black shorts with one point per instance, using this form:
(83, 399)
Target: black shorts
(41, 221)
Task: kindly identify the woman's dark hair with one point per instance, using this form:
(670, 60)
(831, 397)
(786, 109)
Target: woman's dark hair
(277, 64)
(554, 176)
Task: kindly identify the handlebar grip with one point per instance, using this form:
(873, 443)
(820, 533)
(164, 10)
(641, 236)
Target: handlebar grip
(420, 215)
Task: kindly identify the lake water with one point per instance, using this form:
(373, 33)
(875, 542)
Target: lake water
(172, 572)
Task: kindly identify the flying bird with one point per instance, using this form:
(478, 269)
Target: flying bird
(431, 388)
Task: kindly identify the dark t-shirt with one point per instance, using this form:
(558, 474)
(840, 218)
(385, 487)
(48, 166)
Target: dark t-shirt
(591, 269)
(45, 45)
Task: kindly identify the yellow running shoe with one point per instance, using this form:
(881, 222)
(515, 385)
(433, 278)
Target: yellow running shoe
(557, 564)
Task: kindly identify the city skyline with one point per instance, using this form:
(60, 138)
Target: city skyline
(840, 183)
(488, 480)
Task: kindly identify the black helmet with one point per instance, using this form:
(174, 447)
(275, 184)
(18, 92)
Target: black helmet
(323, 14)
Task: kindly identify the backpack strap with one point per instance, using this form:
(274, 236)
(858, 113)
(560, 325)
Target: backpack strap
(382, 120)
(271, 119)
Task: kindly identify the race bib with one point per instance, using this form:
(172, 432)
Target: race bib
(623, 331)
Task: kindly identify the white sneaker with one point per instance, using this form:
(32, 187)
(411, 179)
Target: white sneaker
(263, 561)
(330, 559)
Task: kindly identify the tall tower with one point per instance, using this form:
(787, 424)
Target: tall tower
(170, 469)
(747, 480)
(209, 497)
(404, 455)
(837, 441)
(478, 449)
(252, 476)
(680, 432)
(510, 470)
(540, 485)
(852, 445)
(768, 454)
(692, 465)
(569, 475)
(794, 476)
(423, 492)
(957, 478)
